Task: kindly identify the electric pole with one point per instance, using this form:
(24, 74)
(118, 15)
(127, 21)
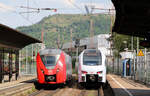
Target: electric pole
(89, 13)
(71, 41)
(91, 33)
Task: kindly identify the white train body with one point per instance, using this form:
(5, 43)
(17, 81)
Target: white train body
(92, 66)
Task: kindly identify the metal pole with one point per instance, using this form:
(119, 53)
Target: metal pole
(118, 63)
(26, 47)
(134, 55)
(20, 59)
(71, 42)
(132, 43)
(136, 65)
(28, 9)
(145, 66)
(91, 33)
(26, 59)
(32, 61)
(77, 61)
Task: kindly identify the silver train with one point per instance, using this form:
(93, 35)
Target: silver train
(91, 67)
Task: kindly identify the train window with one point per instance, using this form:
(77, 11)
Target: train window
(92, 58)
(49, 60)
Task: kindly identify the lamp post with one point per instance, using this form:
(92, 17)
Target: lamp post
(77, 44)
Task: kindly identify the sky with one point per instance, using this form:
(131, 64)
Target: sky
(12, 15)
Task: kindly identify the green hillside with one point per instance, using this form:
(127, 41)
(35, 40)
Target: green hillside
(59, 26)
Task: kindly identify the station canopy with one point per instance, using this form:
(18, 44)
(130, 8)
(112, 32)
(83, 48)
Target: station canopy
(11, 38)
(132, 17)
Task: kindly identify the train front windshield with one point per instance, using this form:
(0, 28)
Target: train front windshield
(92, 58)
(49, 61)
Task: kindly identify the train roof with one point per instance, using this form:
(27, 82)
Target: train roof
(50, 51)
(91, 50)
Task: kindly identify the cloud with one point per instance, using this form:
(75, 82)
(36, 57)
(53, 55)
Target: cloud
(5, 8)
(66, 3)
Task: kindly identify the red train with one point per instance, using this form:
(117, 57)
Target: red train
(53, 67)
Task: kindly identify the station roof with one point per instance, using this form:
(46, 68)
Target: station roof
(11, 38)
(132, 17)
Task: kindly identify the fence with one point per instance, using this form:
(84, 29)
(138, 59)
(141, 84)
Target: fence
(140, 67)
(28, 68)
(27, 60)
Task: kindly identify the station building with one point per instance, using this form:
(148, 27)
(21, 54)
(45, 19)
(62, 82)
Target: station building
(99, 41)
(11, 41)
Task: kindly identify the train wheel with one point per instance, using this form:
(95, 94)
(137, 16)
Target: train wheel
(70, 82)
(105, 85)
(80, 85)
(16, 76)
(37, 86)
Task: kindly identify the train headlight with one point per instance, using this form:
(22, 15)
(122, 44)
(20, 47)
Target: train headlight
(84, 72)
(57, 69)
(99, 72)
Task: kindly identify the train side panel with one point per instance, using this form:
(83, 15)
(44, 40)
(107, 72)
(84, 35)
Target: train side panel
(40, 67)
(61, 66)
(69, 67)
(79, 68)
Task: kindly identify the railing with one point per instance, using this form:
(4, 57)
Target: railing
(140, 68)
(28, 69)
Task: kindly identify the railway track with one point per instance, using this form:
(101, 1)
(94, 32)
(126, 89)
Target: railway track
(100, 91)
(17, 89)
(11, 91)
(92, 92)
(72, 90)
(44, 92)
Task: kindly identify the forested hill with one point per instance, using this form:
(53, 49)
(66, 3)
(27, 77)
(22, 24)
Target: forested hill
(60, 25)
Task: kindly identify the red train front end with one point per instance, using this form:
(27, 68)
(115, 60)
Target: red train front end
(51, 67)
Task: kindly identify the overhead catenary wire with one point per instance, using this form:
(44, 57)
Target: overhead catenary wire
(76, 6)
(37, 9)
(29, 12)
(26, 18)
(34, 1)
(20, 15)
(28, 9)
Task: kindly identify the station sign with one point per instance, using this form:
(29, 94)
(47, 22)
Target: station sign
(140, 53)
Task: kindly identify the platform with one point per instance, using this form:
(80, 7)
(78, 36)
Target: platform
(126, 87)
(21, 80)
